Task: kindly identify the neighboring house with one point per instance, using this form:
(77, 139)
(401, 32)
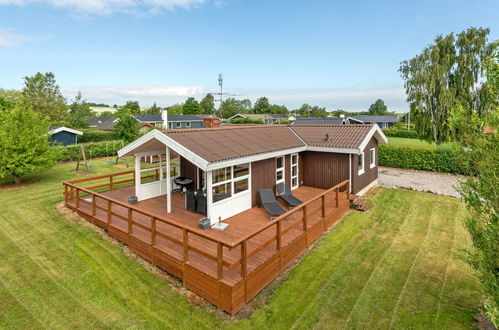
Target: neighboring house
(267, 118)
(96, 121)
(382, 121)
(173, 121)
(320, 121)
(64, 135)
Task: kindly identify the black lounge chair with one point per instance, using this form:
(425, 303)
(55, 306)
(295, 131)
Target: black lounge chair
(268, 201)
(284, 193)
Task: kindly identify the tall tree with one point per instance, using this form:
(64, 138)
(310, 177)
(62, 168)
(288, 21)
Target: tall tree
(208, 104)
(191, 107)
(154, 109)
(42, 94)
(279, 109)
(9, 98)
(306, 110)
(24, 143)
(246, 106)
(127, 127)
(176, 109)
(262, 105)
(447, 72)
(230, 107)
(378, 108)
(79, 113)
(130, 107)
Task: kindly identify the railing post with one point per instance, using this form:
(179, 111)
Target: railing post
(153, 231)
(77, 198)
(348, 189)
(129, 221)
(111, 182)
(323, 206)
(278, 235)
(186, 245)
(109, 212)
(65, 194)
(220, 259)
(244, 261)
(305, 218)
(93, 205)
(337, 196)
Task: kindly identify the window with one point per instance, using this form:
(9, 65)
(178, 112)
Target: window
(294, 171)
(230, 181)
(372, 158)
(279, 170)
(361, 164)
(178, 125)
(188, 124)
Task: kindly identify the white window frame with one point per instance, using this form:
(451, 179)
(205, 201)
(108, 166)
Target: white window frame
(178, 125)
(297, 176)
(361, 171)
(232, 180)
(372, 157)
(278, 169)
(188, 124)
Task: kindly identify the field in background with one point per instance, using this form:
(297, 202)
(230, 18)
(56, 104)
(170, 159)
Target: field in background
(395, 266)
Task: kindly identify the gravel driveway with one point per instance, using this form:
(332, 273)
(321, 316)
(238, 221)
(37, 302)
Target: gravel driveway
(437, 183)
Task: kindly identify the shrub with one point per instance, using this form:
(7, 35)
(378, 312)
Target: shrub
(96, 136)
(393, 132)
(441, 159)
(247, 120)
(92, 150)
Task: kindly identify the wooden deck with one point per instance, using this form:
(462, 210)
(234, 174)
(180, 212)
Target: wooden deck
(228, 268)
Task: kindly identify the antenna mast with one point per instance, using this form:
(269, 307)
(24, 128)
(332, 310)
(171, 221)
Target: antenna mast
(221, 84)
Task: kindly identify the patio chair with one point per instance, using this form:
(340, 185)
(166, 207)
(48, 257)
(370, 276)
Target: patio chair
(201, 201)
(190, 202)
(268, 201)
(284, 192)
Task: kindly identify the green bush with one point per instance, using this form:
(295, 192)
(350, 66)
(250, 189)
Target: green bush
(393, 132)
(92, 150)
(442, 159)
(247, 120)
(96, 136)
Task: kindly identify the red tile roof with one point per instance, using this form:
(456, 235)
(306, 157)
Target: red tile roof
(229, 142)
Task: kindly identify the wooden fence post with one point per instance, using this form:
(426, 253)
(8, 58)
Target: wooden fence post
(244, 261)
(323, 206)
(348, 189)
(305, 218)
(278, 235)
(65, 194)
(220, 261)
(93, 205)
(153, 231)
(186, 245)
(337, 190)
(129, 221)
(77, 198)
(111, 182)
(109, 212)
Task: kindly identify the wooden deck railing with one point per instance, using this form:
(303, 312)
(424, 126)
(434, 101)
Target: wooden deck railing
(86, 200)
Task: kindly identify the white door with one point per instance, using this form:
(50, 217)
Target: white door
(294, 171)
(151, 180)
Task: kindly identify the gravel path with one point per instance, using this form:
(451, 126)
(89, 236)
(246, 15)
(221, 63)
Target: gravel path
(437, 183)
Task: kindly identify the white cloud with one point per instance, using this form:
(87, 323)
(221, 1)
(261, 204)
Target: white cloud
(11, 40)
(350, 99)
(111, 6)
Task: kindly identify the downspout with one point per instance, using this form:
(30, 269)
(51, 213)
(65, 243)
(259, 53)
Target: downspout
(350, 171)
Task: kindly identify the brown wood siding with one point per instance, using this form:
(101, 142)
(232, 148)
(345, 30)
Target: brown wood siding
(301, 169)
(324, 169)
(262, 177)
(370, 174)
(188, 170)
(287, 169)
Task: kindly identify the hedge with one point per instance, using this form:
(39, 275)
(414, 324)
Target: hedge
(394, 132)
(92, 150)
(442, 159)
(96, 136)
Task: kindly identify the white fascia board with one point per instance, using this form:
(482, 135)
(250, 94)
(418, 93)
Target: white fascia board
(66, 129)
(378, 133)
(167, 141)
(335, 150)
(254, 158)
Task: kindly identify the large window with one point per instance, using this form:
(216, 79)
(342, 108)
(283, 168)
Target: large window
(372, 158)
(230, 181)
(294, 171)
(361, 163)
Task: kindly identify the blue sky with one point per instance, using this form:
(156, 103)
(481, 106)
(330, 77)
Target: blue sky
(342, 54)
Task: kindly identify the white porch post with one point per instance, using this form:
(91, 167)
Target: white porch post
(209, 193)
(137, 176)
(168, 183)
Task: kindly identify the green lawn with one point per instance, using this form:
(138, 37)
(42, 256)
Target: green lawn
(396, 266)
